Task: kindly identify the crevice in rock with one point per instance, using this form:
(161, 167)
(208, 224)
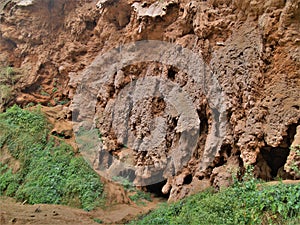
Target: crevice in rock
(10, 44)
(204, 125)
(171, 136)
(34, 87)
(202, 133)
(224, 155)
(203, 121)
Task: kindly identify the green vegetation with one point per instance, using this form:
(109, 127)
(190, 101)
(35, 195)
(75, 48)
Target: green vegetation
(295, 165)
(44, 93)
(7, 75)
(7, 80)
(49, 171)
(98, 220)
(5, 94)
(135, 195)
(139, 196)
(127, 185)
(62, 102)
(54, 90)
(246, 202)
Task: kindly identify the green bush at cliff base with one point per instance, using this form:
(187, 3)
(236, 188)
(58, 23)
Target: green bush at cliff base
(49, 171)
(244, 203)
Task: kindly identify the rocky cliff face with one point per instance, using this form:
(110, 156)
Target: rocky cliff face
(216, 88)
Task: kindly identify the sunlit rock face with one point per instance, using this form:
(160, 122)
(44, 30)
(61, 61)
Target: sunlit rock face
(160, 120)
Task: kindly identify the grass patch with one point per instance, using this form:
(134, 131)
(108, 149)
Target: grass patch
(50, 172)
(244, 203)
(139, 196)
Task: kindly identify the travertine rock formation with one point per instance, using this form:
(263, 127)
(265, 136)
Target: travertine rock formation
(245, 110)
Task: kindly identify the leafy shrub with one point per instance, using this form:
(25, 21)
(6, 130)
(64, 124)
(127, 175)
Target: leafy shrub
(138, 196)
(7, 75)
(6, 177)
(50, 172)
(295, 166)
(244, 203)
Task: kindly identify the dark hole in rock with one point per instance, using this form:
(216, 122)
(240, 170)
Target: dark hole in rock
(158, 105)
(90, 25)
(219, 161)
(61, 135)
(296, 107)
(156, 189)
(276, 156)
(188, 179)
(203, 120)
(172, 73)
(128, 174)
(204, 125)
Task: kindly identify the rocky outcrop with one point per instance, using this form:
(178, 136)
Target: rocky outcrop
(292, 165)
(216, 89)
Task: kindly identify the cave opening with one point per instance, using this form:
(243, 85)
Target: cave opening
(156, 189)
(188, 179)
(276, 157)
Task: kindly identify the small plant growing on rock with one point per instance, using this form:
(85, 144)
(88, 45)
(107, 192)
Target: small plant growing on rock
(50, 172)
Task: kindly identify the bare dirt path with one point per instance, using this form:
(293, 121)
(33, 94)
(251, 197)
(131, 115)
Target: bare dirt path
(12, 212)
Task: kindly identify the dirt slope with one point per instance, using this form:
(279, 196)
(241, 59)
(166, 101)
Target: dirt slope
(13, 212)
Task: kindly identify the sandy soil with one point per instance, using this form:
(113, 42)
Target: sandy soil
(12, 212)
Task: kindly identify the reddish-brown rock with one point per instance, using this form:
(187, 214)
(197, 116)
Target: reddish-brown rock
(248, 111)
